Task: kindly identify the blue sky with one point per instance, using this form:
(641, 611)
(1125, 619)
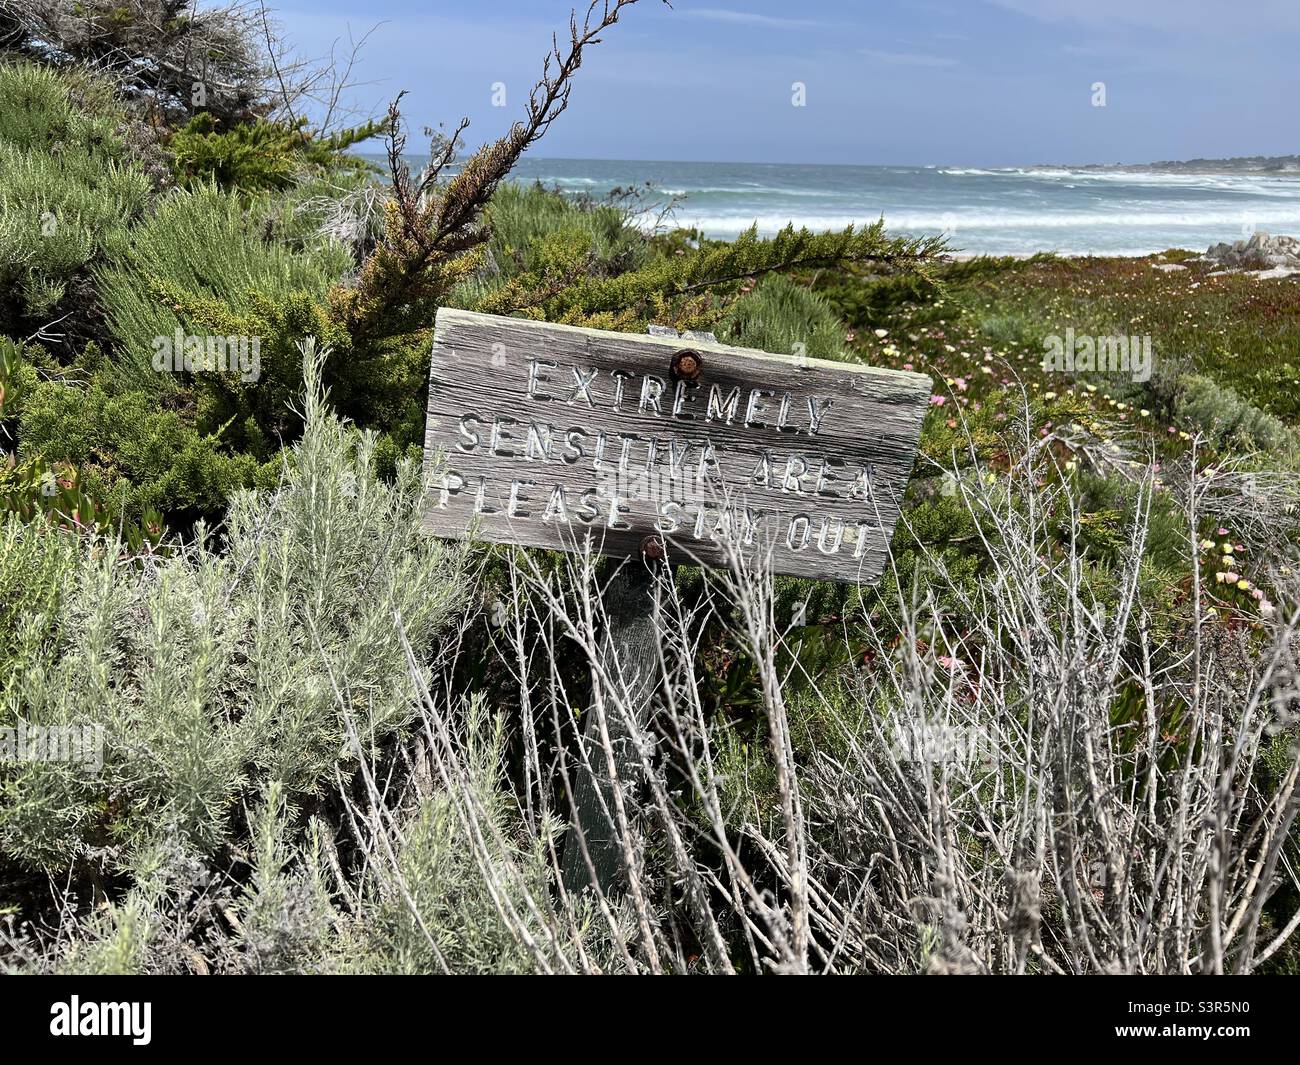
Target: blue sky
(956, 82)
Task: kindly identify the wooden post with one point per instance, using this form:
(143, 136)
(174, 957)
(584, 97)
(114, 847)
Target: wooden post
(629, 658)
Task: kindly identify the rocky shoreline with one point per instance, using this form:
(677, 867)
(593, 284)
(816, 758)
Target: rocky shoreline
(1263, 165)
(1262, 255)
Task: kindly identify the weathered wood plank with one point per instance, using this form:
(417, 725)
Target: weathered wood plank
(544, 435)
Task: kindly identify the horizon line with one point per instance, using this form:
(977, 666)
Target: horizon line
(911, 166)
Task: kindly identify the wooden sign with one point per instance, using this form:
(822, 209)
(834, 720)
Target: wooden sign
(550, 436)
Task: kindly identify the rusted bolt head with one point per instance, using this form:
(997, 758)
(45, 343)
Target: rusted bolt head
(687, 365)
(653, 548)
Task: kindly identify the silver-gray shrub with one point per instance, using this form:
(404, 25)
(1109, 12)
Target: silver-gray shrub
(1127, 803)
(259, 661)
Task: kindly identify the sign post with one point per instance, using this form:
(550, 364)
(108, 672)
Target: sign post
(661, 448)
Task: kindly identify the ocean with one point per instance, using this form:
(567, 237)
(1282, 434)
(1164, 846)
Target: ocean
(982, 211)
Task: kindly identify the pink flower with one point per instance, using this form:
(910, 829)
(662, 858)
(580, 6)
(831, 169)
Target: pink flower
(937, 401)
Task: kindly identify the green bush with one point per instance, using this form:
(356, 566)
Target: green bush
(522, 214)
(259, 154)
(202, 242)
(1232, 422)
(780, 315)
(130, 454)
(67, 193)
(221, 668)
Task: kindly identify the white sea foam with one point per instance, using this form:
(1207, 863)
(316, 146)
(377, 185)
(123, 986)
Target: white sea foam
(959, 220)
(993, 209)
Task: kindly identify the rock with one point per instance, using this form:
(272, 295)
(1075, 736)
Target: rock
(1169, 267)
(1261, 252)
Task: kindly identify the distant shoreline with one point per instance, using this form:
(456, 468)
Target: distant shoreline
(967, 256)
(1256, 165)
(1130, 212)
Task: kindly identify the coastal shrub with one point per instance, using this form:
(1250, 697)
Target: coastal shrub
(521, 215)
(1233, 423)
(780, 315)
(201, 242)
(452, 914)
(693, 289)
(259, 154)
(130, 454)
(34, 485)
(67, 194)
(220, 668)
(153, 49)
(871, 302)
(542, 240)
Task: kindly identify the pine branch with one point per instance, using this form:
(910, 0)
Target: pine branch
(716, 267)
(411, 268)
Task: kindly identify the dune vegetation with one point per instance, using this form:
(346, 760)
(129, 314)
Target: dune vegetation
(1060, 736)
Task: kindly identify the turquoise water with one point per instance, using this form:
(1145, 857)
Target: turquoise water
(982, 211)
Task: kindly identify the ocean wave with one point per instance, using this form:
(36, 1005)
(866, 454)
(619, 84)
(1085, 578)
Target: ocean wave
(1255, 184)
(1203, 217)
(981, 209)
(1258, 184)
(971, 171)
(957, 220)
(677, 188)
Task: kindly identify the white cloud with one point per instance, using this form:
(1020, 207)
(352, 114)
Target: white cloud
(908, 59)
(752, 18)
(1208, 17)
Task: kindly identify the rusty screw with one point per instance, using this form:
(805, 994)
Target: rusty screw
(687, 365)
(653, 548)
